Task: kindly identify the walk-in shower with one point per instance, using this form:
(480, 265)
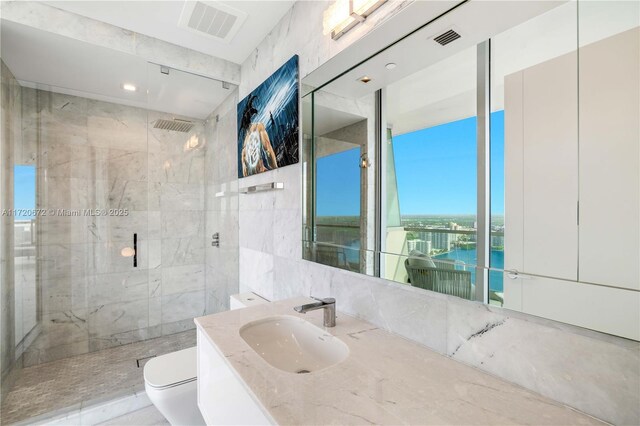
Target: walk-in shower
(107, 164)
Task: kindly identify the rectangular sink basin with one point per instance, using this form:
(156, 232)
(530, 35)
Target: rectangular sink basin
(293, 345)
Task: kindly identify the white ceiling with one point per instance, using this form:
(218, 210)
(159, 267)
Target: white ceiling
(52, 62)
(327, 120)
(159, 19)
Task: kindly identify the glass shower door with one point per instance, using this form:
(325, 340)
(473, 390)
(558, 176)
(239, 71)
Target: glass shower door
(88, 142)
(193, 196)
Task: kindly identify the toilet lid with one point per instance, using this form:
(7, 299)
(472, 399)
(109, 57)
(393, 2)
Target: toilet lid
(171, 369)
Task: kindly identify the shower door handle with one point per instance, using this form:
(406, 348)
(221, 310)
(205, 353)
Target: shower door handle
(135, 250)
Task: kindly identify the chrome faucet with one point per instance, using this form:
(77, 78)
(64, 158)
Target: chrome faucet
(329, 306)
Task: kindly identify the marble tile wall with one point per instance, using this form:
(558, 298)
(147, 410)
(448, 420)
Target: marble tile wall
(98, 155)
(595, 373)
(10, 115)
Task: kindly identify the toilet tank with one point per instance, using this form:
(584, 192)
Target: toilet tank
(245, 300)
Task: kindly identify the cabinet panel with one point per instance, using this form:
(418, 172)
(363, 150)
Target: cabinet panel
(592, 306)
(223, 398)
(550, 168)
(610, 161)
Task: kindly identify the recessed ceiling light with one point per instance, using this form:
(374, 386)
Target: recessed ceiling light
(390, 66)
(129, 87)
(365, 79)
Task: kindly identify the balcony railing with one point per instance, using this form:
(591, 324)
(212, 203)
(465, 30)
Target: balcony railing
(450, 231)
(24, 238)
(338, 245)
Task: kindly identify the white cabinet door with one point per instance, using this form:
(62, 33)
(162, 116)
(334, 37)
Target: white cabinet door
(223, 399)
(550, 168)
(610, 161)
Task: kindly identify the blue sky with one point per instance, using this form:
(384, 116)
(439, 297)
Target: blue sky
(435, 167)
(24, 189)
(338, 190)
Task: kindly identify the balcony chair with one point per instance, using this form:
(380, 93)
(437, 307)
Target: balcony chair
(436, 275)
(332, 256)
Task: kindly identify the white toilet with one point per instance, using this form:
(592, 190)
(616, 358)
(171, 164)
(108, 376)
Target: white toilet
(171, 380)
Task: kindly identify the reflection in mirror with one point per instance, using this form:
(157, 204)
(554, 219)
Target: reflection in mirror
(339, 140)
(338, 188)
(502, 166)
(557, 153)
(431, 201)
(446, 276)
(537, 239)
(343, 257)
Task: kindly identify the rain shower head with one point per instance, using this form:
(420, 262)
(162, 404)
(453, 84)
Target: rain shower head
(177, 125)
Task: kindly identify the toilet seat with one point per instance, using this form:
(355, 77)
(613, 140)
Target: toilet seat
(172, 369)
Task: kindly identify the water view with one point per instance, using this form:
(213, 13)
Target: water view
(470, 259)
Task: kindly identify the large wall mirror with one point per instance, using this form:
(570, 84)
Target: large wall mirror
(493, 155)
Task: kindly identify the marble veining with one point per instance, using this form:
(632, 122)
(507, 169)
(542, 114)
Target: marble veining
(384, 380)
(488, 327)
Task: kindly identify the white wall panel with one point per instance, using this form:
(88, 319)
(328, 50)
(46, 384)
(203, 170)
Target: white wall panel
(610, 161)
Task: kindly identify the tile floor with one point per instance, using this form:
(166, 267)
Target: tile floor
(148, 416)
(67, 382)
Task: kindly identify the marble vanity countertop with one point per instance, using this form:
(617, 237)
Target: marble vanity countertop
(386, 379)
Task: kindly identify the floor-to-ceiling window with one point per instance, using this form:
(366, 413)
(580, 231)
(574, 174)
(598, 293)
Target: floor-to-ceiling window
(431, 117)
(340, 215)
(24, 180)
(338, 207)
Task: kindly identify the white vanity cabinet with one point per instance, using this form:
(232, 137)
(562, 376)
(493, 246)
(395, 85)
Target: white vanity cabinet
(223, 398)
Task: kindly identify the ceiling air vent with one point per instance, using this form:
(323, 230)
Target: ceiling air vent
(176, 125)
(212, 19)
(446, 37)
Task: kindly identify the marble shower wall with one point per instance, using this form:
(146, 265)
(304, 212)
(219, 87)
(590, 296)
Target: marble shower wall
(593, 372)
(10, 134)
(221, 204)
(98, 155)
